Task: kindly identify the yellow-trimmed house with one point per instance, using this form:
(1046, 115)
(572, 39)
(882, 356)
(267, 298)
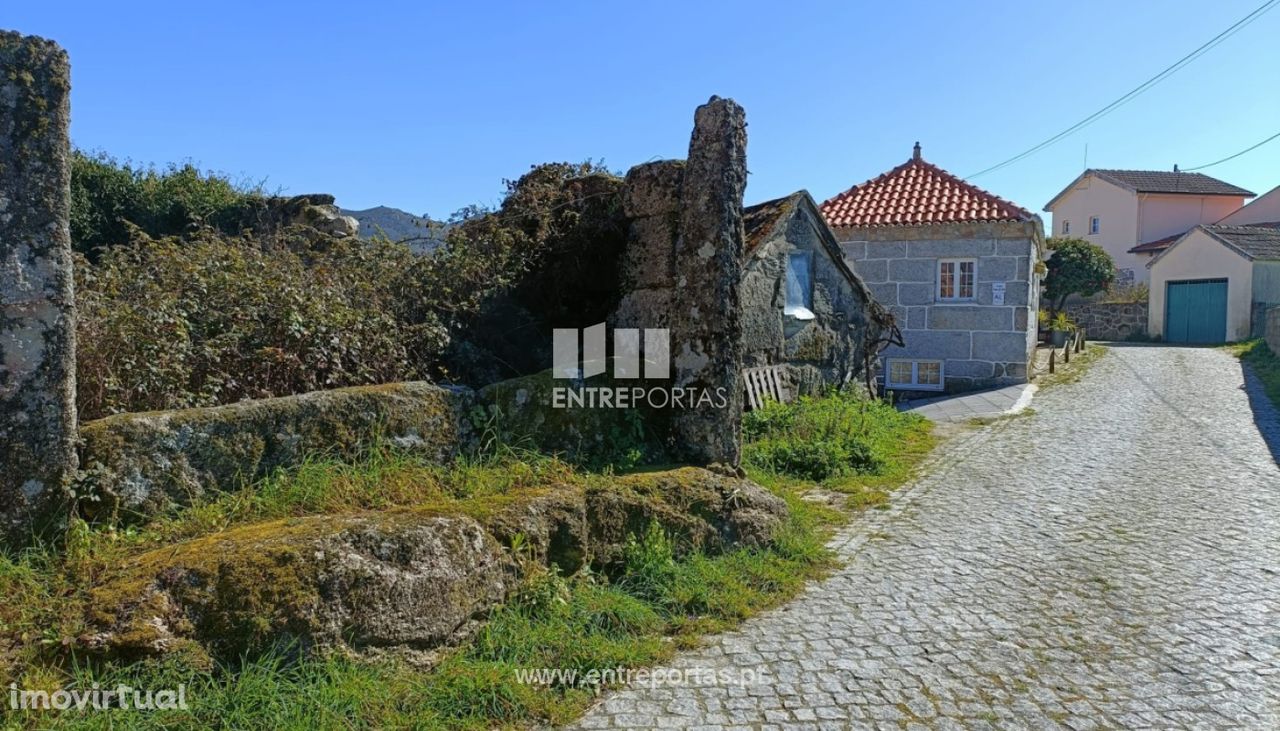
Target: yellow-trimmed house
(1211, 283)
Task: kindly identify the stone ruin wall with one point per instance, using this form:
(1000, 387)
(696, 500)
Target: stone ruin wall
(682, 270)
(37, 303)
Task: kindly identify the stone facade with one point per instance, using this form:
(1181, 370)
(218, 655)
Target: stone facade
(37, 303)
(1110, 320)
(833, 347)
(980, 343)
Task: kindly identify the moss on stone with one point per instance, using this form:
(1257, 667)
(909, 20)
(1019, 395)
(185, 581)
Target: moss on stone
(414, 576)
(138, 465)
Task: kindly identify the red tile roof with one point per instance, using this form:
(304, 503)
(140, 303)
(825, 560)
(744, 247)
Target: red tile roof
(914, 193)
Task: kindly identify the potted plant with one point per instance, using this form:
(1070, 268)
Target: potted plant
(1061, 327)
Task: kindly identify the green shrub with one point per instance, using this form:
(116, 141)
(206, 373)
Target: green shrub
(813, 460)
(168, 323)
(1078, 267)
(825, 438)
(650, 563)
(108, 197)
(189, 296)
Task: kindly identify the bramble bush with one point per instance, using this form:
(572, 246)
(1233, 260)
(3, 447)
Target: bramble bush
(189, 310)
(168, 323)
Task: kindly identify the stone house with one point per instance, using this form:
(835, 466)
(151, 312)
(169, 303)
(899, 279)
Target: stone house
(957, 268)
(1135, 214)
(801, 303)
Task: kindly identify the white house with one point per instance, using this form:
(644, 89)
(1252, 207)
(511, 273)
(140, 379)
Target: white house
(1210, 283)
(1136, 214)
(1263, 209)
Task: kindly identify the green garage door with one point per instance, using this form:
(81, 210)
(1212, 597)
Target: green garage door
(1196, 311)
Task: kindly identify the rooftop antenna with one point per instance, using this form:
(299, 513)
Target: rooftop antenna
(1086, 156)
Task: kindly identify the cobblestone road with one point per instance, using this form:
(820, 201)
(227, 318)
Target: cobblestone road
(1112, 561)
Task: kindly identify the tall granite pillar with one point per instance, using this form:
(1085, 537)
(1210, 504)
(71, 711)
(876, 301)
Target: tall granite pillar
(706, 328)
(37, 306)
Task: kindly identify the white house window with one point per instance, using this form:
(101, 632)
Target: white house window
(1095, 225)
(956, 278)
(799, 286)
(1066, 227)
(918, 375)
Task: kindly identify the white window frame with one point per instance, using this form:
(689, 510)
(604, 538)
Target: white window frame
(937, 288)
(1066, 226)
(914, 385)
(1095, 224)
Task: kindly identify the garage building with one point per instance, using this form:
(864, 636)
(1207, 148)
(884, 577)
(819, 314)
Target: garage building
(1213, 283)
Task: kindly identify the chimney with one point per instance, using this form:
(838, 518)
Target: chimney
(915, 151)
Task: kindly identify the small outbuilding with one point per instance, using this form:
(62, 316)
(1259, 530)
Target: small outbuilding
(1211, 283)
(802, 305)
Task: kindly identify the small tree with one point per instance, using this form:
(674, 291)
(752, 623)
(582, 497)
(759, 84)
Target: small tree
(1076, 267)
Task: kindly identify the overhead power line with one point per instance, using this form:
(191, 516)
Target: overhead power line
(1137, 90)
(1232, 157)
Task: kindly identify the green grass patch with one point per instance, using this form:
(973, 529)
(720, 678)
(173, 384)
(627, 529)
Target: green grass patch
(577, 624)
(1264, 363)
(1075, 370)
(660, 601)
(841, 440)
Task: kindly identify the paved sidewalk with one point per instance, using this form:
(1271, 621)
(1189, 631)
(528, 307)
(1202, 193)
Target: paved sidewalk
(1111, 562)
(977, 405)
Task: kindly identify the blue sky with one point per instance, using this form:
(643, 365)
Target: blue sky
(428, 106)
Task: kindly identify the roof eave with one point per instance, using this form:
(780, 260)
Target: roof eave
(1048, 207)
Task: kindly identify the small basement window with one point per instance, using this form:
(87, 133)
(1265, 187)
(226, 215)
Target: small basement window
(916, 375)
(956, 279)
(799, 286)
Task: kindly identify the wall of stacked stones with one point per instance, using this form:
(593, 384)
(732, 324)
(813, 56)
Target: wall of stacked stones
(983, 344)
(1110, 320)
